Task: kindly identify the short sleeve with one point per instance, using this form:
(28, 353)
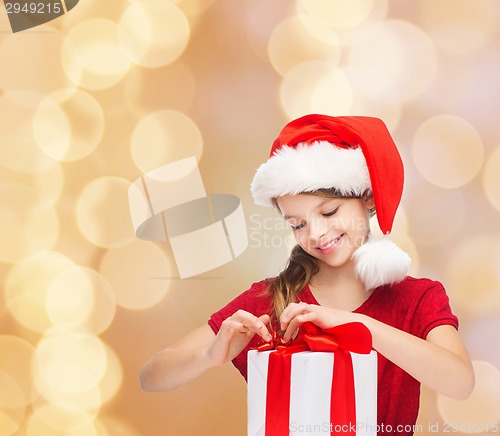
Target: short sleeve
(433, 310)
(254, 300)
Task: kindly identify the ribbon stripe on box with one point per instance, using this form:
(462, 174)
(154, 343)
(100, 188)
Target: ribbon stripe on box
(291, 387)
(205, 231)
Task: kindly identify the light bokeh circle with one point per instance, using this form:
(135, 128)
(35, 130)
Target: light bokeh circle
(481, 408)
(92, 56)
(103, 213)
(89, 400)
(354, 34)
(25, 194)
(68, 369)
(459, 27)
(373, 94)
(475, 334)
(291, 43)
(25, 235)
(26, 288)
(70, 297)
(27, 52)
(491, 178)
(338, 13)
(297, 85)
(439, 213)
(60, 419)
(112, 379)
(12, 404)
(70, 360)
(11, 394)
(398, 50)
(471, 273)
(139, 274)
(17, 355)
(144, 92)
(316, 87)
(448, 151)
(153, 34)
(81, 297)
(164, 136)
(68, 125)
(332, 94)
(321, 32)
(16, 124)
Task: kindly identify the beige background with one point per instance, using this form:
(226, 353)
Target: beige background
(114, 89)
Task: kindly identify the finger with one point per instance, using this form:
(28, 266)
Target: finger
(315, 315)
(265, 319)
(290, 312)
(252, 323)
(232, 326)
(264, 331)
(310, 316)
(248, 319)
(287, 315)
(292, 328)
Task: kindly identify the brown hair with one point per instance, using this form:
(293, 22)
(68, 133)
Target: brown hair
(286, 287)
(301, 266)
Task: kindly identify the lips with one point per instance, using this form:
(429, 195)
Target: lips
(330, 245)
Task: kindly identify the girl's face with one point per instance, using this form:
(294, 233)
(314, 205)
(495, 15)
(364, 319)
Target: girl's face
(330, 229)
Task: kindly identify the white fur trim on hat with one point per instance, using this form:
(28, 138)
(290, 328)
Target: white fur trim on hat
(380, 262)
(305, 168)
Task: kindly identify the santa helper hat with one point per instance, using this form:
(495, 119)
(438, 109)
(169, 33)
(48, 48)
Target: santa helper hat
(351, 154)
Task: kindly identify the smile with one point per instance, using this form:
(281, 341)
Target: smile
(329, 245)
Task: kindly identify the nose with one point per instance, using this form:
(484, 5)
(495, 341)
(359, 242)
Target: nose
(317, 229)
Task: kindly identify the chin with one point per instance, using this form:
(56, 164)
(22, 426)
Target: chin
(337, 262)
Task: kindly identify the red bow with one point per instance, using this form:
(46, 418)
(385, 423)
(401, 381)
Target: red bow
(341, 340)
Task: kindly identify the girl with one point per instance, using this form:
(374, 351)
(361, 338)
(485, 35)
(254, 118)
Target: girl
(327, 176)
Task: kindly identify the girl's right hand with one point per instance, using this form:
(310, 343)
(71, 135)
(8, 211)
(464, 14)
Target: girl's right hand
(234, 335)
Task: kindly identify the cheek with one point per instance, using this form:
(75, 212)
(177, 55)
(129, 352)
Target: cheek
(356, 223)
(300, 238)
(363, 223)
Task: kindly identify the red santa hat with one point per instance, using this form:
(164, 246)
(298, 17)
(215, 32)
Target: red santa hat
(353, 155)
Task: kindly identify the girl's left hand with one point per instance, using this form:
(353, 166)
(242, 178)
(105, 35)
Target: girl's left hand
(296, 314)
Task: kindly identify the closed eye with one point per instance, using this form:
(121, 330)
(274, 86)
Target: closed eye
(298, 226)
(333, 212)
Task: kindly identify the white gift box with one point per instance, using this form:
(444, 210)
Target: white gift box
(310, 393)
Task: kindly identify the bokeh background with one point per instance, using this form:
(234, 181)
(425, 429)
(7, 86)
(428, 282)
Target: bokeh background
(113, 89)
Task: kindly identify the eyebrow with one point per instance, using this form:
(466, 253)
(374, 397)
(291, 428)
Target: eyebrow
(317, 207)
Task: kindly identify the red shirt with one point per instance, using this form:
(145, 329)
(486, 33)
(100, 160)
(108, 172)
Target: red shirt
(414, 305)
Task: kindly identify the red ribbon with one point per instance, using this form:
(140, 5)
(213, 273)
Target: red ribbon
(341, 340)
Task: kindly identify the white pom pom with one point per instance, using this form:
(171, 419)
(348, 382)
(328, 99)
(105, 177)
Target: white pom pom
(380, 262)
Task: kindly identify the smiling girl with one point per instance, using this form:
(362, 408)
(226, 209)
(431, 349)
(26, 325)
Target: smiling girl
(327, 176)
